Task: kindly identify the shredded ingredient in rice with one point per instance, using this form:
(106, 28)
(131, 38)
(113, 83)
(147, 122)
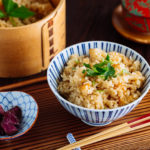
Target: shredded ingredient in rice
(102, 80)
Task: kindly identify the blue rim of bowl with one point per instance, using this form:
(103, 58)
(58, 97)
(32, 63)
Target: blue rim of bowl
(18, 135)
(87, 109)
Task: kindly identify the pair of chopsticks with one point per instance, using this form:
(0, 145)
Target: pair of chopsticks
(23, 83)
(134, 124)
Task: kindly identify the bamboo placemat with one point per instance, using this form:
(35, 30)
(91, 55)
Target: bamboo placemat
(54, 122)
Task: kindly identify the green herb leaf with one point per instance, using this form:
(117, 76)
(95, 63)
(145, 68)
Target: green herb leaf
(90, 72)
(9, 5)
(101, 64)
(103, 69)
(21, 12)
(12, 9)
(110, 72)
(107, 58)
(2, 15)
(84, 71)
(87, 65)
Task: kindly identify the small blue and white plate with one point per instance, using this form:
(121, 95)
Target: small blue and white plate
(28, 106)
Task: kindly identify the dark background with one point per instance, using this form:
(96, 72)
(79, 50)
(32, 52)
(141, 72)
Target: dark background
(91, 20)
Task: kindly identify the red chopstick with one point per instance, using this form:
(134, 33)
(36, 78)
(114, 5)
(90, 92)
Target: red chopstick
(134, 124)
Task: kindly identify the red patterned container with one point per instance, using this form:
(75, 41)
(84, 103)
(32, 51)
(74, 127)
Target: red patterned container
(137, 14)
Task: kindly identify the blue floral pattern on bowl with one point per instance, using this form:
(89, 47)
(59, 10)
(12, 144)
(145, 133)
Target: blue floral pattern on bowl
(28, 106)
(95, 117)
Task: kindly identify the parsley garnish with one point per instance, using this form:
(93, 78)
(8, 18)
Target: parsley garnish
(103, 69)
(13, 10)
(107, 58)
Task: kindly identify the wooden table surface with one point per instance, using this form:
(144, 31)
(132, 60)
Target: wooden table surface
(86, 20)
(54, 122)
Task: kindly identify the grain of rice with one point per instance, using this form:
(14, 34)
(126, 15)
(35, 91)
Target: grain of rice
(103, 94)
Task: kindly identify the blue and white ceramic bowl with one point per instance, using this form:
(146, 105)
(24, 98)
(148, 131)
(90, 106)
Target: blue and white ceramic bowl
(28, 106)
(92, 116)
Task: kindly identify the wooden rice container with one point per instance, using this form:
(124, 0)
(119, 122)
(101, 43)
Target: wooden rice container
(28, 49)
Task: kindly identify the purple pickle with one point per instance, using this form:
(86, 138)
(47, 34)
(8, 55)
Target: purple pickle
(10, 118)
(17, 112)
(2, 133)
(1, 110)
(9, 129)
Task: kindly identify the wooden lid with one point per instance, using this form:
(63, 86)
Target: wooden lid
(137, 7)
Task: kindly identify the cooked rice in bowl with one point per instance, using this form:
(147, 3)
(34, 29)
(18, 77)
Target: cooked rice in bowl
(41, 8)
(98, 91)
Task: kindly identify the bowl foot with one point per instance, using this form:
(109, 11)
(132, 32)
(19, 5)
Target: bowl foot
(96, 124)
